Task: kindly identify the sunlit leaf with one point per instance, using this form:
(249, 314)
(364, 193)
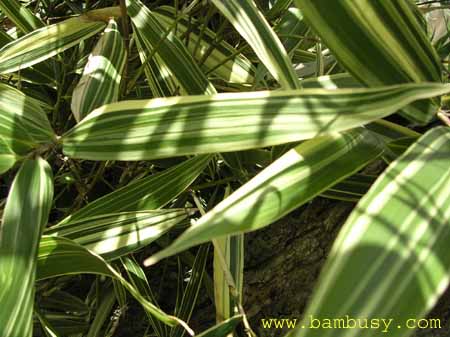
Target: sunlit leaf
(169, 47)
(46, 42)
(25, 215)
(168, 127)
(251, 24)
(115, 235)
(395, 243)
(145, 194)
(290, 181)
(101, 78)
(379, 42)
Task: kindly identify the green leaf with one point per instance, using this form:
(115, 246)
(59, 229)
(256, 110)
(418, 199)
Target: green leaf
(290, 181)
(400, 145)
(351, 189)
(224, 61)
(43, 43)
(187, 305)
(21, 16)
(25, 215)
(7, 160)
(102, 74)
(222, 329)
(369, 36)
(60, 256)
(251, 24)
(145, 194)
(106, 301)
(160, 79)
(171, 50)
(118, 234)
(139, 280)
(395, 244)
(291, 29)
(336, 81)
(23, 122)
(168, 127)
(231, 249)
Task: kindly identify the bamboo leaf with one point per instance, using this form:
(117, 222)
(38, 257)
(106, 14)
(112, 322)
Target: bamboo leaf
(171, 50)
(21, 16)
(101, 78)
(160, 79)
(23, 122)
(290, 181)
(25, 215)
(145, 194)
(224, 61)
(115, 235)
(187, 305)
(351, 189)
(222, 329)
(251, 24)
(60, 256)
(168, 127)
(402, 227)
(367, 36)
(45, 42)
(139, 280)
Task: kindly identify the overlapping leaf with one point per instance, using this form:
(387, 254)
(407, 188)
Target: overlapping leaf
(172, 51)
(23, 122)
(46, 42)
(101, 78)
(293, 179)
(251, 24)
(167, 127)
(145, 194)
(402, 227)
(115, 235)
(22, 17)
(379, 42)
(223, 61)
(61, 256)
(25, 215)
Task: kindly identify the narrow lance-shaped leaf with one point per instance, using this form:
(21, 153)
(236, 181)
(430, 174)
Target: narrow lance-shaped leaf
(220, 61)
(40, 73)
(7, 157)
(139, 280)
(290, 181)
(145, 194)
(101, 78)
(160, 79)
(115, 235)
(251, 24)
(45, 42)
(167, 127)
(222, 329)
(23, 122)
(61, 256)
(171, 50)
(291, 29)
(402, 227)
(25, 215)
(367, 36)
(188, 302)
(21, 16)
